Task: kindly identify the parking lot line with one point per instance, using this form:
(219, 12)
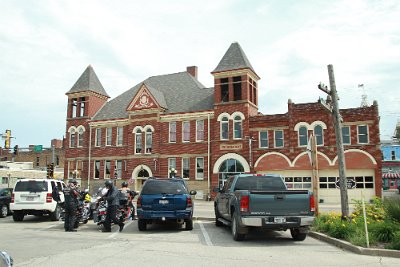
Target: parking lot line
(205, 234)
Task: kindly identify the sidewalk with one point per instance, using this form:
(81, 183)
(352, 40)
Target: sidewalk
(204, 211)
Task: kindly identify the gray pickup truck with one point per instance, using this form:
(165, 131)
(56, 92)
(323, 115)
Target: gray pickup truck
(257, 200)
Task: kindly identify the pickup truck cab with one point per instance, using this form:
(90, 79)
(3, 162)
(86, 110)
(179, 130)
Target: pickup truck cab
(257, 200)
(165, 199)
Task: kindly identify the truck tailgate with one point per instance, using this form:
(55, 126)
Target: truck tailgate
(294, 202)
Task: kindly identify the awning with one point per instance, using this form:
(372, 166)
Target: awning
(391, 175)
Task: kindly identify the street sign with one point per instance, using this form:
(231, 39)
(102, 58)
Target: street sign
(351, 184)
(38, 148)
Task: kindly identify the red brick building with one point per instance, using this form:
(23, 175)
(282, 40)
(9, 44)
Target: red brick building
(173, 122)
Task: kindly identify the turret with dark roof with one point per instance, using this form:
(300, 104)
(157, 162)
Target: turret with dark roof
(88, 82)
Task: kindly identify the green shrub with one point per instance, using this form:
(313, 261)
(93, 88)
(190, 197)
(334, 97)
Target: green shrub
(374, 211)
(383, 231)
(358, 238)
(395, 244)
(392, 208)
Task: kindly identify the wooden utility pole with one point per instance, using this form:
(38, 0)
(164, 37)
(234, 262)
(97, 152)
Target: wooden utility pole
(337, 120)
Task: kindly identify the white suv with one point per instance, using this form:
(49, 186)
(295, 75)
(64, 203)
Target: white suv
(34, 197)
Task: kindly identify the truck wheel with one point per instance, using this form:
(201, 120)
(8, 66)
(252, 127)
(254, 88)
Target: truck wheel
(296, 235)
(3, 211)
(236, 228)
(189, 224)
(142, 224)
(18, 216)
(55, 215)
(217, 216)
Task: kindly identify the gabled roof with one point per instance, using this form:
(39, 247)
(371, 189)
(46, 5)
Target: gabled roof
(88, 82)
(178, 92)
(234, 58)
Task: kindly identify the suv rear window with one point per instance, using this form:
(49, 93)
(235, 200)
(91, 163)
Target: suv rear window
(31, 186)
(163, 187)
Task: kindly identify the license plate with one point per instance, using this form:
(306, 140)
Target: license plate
(279, 219)
(163, 201)
(29, 198)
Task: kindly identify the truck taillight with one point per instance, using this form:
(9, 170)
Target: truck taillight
(49, 198)
(139, 202)
(188, 201)
(312, 203)
(244, 204)
(12, 198)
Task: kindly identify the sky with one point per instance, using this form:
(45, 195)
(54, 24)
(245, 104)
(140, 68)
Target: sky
(46, 45)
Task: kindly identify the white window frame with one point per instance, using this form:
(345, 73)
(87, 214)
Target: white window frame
(358, 134)
(148, 132)
(300, 136)
(275, 139)
(186, 132)
(348, 127)
(107, 176)
(97, 140)
(316, 136)
(199, 131)
(172, 132)
(183, 167)
(80, 137)
(108, 136)
(118, 168)
(94, 169)
(197, 176)
(237, 122)
(224, 121)
(72, 138)
(138, 145)
(120, 136)
(260, 139)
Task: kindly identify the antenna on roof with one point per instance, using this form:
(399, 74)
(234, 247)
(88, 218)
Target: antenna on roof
(364, 100)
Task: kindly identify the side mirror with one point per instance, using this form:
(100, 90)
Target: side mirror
(193, 192)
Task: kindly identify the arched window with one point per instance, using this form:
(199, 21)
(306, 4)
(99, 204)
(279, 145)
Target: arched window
(227, 169)
(80, 137)
(224, 128)
(72, 135)
(138, 141)
(303, 136)
(237, 127)
(319, 135)
(149, 141)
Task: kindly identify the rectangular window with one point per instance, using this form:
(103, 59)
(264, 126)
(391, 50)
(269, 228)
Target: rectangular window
(200, 130)
(185, 168)
(171, 165)
(278, 134)
(97, 169)
(79, 167)
(298, 182)
(199, 168)
(346, 135)
(224, 129)
(82, 110)
(185, 131)
(118, 169)
(107, 169)
(138, 142)
(98, 137)
(237, 129)
(80, 137)
(172, 132)
(72, 138)
(74, 106)
(37, 161)
(264, 139)
(120, 135)
(237, 88)
(362, 134)
(224, 90)
(108, 136)
(393, 154)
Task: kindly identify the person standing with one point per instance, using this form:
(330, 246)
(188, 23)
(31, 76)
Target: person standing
(112, 205)
(70, 205)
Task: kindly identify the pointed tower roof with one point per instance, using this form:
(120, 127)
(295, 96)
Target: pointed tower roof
(233, 59)
(88, 82)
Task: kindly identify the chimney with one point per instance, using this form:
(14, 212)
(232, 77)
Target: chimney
(192, 70)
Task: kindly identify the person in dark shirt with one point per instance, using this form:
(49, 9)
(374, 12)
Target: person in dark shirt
(112, 198)
(71, 204)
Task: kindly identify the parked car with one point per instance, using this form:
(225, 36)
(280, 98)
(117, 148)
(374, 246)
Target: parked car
(255, 200)
(34, 197)
(5, 199)
(165, 199)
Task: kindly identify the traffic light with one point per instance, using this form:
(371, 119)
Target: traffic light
(52, 170)
(8, 138)
(48, 171)
(16, 150)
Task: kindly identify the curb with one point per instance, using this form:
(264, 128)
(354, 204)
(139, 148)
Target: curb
(355, 249)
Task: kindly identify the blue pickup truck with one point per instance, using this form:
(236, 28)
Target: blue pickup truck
(165, 199)
(256, 200)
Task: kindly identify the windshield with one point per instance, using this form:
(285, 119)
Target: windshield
(262, 183)
(163, 187)
(31, 186)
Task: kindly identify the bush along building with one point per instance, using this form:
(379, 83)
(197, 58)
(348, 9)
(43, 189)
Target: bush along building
(173, 125)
